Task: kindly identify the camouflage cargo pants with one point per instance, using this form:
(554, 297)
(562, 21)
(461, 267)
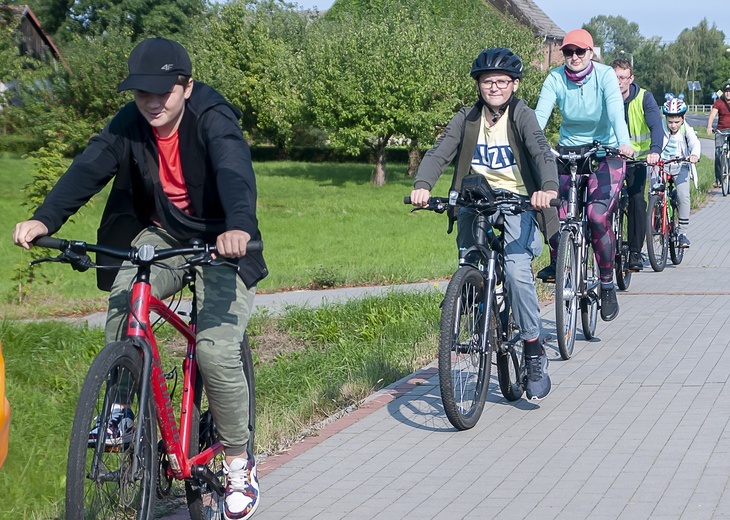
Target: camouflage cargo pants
(224, 308)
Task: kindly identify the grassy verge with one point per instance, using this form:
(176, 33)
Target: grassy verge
(310, 363)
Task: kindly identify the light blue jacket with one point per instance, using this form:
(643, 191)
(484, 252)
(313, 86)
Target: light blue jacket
(593, 111)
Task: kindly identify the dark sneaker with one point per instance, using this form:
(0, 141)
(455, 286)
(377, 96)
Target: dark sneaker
(119, 430)
(684, 242)
(636, 263)
(609, 304)
(242, 489)
(537, 385)
(547, 273)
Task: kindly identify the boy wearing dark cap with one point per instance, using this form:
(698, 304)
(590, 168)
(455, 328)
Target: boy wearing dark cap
(720, 108)
(180, 169)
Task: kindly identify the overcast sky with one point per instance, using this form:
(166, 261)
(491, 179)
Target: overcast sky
(664, 18)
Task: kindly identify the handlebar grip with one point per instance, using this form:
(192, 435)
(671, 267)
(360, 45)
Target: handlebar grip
(407, 199)
(51, 242)
(555, 203)
(255, 246)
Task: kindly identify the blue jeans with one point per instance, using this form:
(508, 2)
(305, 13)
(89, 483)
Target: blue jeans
(522, 243)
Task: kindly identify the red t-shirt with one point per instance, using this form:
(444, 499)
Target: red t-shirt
(171, 175)
(723, 113)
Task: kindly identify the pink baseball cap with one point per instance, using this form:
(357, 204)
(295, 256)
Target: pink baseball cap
(578, 37)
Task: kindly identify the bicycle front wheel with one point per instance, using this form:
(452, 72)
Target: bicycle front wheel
(676, 253)
(589, 301)
(657, 239)
(465, 357)
(204, 502)
(566, 293)
(100, 479)
(725, 179)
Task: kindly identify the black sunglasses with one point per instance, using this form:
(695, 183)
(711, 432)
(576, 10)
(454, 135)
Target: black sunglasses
(578, 52)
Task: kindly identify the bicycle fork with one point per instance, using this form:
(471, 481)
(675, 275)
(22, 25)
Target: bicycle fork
(491, 276)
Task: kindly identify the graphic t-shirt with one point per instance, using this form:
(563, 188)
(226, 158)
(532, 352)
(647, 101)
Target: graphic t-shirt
(171, 175)
(493, 156)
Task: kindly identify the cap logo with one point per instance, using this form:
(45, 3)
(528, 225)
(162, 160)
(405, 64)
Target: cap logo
(167, 67)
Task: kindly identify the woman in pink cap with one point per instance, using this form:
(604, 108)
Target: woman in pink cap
(590, 101)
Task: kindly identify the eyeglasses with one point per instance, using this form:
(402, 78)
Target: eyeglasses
(568, 53)
(624, 78)
(500, 83)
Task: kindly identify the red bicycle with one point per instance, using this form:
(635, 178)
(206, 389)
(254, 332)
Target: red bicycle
(662, 216)
(119, 477)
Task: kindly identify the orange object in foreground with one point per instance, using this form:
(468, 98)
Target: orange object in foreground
(4, 412)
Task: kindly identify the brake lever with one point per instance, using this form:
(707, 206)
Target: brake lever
(47, 259)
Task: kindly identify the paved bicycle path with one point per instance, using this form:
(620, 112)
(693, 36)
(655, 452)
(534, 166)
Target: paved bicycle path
(636, 425)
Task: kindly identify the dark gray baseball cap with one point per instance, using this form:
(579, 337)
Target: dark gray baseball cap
(154, 66)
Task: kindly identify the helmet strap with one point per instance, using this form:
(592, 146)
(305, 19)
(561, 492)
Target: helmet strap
(496, 114)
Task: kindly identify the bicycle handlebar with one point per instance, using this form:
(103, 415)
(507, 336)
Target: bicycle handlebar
(596, 147)
(75, 251)
(514, 203)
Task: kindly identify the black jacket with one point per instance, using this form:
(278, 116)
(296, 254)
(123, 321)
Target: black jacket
(216, 164)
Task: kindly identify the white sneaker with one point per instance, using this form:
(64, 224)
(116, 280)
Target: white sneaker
(242, 489)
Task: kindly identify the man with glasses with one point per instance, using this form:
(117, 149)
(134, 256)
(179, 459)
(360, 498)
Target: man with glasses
(720, 108)
(645, 129)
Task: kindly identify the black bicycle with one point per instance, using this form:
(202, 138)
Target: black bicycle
(621, 259)
(577, 279)
(476, 315)
(725, 163)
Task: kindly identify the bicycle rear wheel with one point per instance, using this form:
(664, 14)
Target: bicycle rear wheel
(566, 293)
(203, 501)
(657, 240)
(589, 302)
(100, 482)
(621, 262)
(464, 368)
(509, 360)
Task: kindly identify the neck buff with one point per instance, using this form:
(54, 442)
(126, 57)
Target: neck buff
(578, 77)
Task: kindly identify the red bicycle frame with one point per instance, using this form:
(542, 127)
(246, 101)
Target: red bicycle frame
(176, 440)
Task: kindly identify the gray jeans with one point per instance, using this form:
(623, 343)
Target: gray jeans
(522, 243)
(224, 308)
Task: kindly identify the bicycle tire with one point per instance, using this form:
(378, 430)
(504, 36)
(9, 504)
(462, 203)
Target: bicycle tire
(676, 253)
(621, 262)
(589, 302)
(464, 369)
(566, 294)
(725, 179)
(203, 502)
(113, 493)
(510, 371)
(657, 241)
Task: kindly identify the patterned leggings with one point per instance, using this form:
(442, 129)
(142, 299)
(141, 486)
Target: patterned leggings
(604, 187)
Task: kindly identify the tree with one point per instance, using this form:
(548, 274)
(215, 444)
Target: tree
(139, 18)
(379, 69)
(250, 52)
(614, 34)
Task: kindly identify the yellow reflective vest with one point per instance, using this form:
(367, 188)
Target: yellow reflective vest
(638, 129)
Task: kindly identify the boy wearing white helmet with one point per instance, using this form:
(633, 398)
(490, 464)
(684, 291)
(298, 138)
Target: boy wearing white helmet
(680, 140)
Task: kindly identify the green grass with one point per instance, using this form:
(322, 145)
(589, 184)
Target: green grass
(331, 358)
(322, 224)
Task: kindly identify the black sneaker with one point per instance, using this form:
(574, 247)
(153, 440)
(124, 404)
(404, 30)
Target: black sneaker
(684, 242)
(537, 385)
(636, 263)
(609, 304)
(547, 273)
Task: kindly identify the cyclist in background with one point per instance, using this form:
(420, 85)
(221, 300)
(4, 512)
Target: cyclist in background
(181, 169)
(645, 130)
(720, 108)
(680, 140)
(499, 138)
(589, 99)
